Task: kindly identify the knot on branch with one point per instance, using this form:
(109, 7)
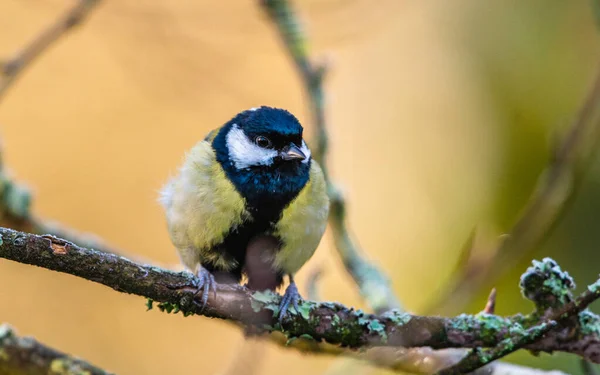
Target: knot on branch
(547, 285)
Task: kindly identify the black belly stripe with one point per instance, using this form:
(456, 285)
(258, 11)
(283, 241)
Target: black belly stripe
(233, 247)
(266, 210)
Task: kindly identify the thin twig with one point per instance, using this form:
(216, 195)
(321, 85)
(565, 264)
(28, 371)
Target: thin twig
(478, 358)
(24, 355)
(11, 69)
(555, 189)
(327, 323)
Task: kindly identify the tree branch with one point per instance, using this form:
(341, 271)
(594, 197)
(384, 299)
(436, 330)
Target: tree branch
(330, 323)
(25, 356)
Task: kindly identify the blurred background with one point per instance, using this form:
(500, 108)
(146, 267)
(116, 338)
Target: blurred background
(442, 116)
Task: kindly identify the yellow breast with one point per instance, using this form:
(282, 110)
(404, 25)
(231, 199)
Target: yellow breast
(202, 206)
(303, 223)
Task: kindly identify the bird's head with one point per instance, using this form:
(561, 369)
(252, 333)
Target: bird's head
(265, 138)
(262, 151)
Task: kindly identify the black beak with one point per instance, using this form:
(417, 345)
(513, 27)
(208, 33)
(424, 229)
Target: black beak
(292, 152)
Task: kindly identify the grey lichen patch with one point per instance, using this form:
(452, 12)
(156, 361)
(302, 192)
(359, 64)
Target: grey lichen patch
(547, 285)
(7, 336)
(590, 323)
(159, 270)
(304, 309)
(493, 325)
(265, 300)
(362, 319)
(462, 322)
(484, 355)
(397, 317)
(486, 328)
(372, 323)
(517, 330)
(6, 332)
(330, 305)
(593, 288)
(335, 319)
(375, 326)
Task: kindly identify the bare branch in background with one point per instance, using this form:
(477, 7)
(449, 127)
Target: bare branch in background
(374, 286)
(24, 355)
(330, 323)
(11, 68)
(555, 189)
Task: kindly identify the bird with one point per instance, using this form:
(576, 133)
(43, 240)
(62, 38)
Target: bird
(248, 201)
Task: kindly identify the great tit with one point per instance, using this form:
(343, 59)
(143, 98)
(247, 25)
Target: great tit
(248, 200)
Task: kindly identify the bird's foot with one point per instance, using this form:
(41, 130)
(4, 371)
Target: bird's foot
(205, 284)
(291, 296)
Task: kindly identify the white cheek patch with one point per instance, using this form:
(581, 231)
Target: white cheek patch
(306, 152)
(244, 153)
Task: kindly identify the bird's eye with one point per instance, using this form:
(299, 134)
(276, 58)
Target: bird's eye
(262, 141)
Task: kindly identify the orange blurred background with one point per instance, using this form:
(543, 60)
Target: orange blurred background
(441, 117)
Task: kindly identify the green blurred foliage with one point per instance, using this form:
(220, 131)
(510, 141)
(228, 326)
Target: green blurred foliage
(538, 59)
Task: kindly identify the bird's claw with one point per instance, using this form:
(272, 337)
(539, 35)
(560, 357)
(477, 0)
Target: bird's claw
(205, 284)
(292, 296)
